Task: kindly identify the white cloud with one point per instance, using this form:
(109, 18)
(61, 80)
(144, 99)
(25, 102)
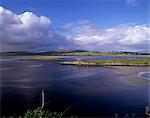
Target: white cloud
(132, 2)
(28, 31)
(123, 37)
(136, 35)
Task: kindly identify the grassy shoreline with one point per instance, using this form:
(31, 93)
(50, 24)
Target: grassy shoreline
(114, 62)
(72, 53)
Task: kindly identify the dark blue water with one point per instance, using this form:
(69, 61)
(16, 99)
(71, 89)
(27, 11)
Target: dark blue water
(89, 91)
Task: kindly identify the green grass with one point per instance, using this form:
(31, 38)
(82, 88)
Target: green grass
(122, 61)
(114, 62)
(40, 113)
(95, 53)
(125, 61)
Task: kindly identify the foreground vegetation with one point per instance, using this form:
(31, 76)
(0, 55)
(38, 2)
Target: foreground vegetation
(114, 62)
(40, 112)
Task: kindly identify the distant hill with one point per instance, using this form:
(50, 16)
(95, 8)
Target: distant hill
(73, 53)
(16, 53)
(144, 52)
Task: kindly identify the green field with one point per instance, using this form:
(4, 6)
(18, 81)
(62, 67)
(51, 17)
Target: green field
(114, 62)
(72, 53)
(95, 53)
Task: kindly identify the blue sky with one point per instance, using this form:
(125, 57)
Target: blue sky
(96, 25)
(104, 13)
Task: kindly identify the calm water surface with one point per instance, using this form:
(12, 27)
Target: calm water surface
(89, 91)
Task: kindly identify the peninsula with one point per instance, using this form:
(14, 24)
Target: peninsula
(113, 62)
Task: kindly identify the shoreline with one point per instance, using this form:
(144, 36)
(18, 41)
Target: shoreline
(113, 62)
(106, 65)
(141, 73)
(131, 73)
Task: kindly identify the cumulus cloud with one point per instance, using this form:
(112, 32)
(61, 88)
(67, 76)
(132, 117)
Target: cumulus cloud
(27, 31)
(132, 2)
(122, 37)
(30, 32)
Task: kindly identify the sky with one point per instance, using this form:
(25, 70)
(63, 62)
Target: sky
(94, 25)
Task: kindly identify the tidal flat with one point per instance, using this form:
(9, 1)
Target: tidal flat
(131, 73)
(40, 58)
